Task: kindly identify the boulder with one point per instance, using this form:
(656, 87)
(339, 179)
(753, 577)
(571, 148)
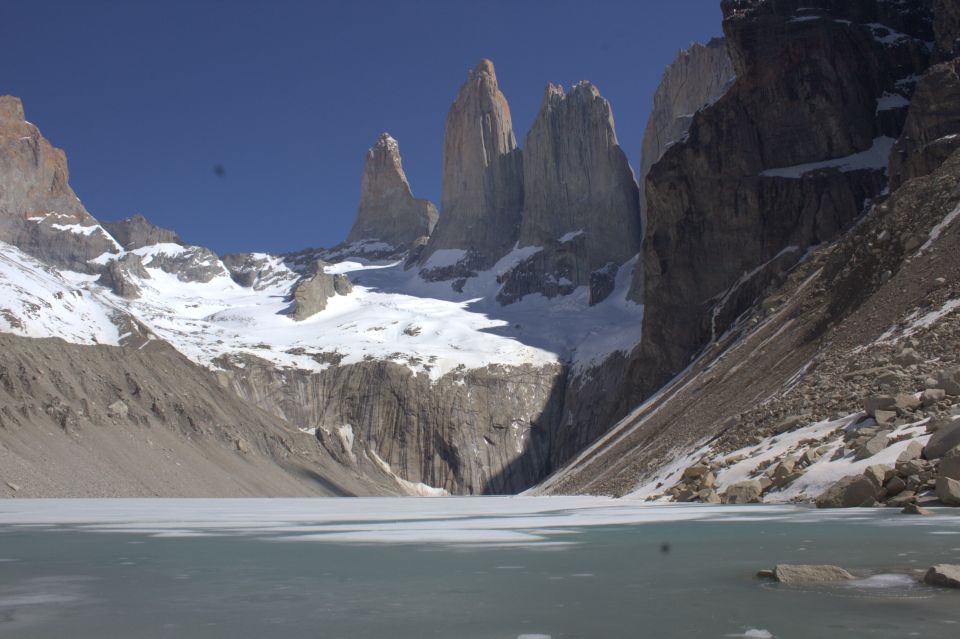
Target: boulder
(873, 403)
(948, 491)
(118, 410)
(950, 464)
(932, 396)
(850, 492)
(696, 471)
(906, 403)
(949, 381)
(943, 575)
(902, 499)
(878, 474)
(809, 574)
(744, 492)
(945, 436)
(895, 486)
(873, 446)
(911, 452)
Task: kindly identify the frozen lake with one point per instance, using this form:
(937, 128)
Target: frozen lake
(462, 568)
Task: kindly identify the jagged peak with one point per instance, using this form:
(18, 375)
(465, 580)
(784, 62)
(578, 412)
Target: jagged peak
(485, 67)
(11, 108)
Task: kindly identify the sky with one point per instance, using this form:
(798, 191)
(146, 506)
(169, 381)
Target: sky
(148, 99)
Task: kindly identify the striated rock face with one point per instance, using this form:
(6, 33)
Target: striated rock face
(931, 131)
(697, 77)
(946, 27)
(480, 431)
(388, 212)
(39, 212)
(482, 176)
(749, 190)
(136, 232)
(580, 199)
(311, 295)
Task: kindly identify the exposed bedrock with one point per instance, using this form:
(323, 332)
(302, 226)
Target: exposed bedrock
(482, 193)
(473, 431)
(581, 203)
(748, 186)
(137, 231)
(388, 212)
(39, 212)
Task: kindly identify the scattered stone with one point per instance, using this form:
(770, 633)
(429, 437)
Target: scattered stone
(945, 436)
(788, 424)
(118, 410)
(913, 509)
(907, 357)
(850, 492)
(911, 452)
(931, 396)
(948, 491)
(943, 575)
(744, 492)
(873, 446)
(809, 574)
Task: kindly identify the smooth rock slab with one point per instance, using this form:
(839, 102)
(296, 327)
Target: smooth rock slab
(943, 575)
(809, 574)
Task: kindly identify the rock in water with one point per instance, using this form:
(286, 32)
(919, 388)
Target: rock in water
(948, 491)
(136, 232)
(482, 193)
(388, 212)
(580, 200)
(697, 77)
(943, 575)
(744, 492)
(809, 574)
(39, 212)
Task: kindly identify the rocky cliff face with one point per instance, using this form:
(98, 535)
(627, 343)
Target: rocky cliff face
(388, 212)
(947, 29)
(136, 232)
(38, 210)
(477, 431)
(696, 78)
(311, 294)
(482, 179)
(750, 190)
(580, 199)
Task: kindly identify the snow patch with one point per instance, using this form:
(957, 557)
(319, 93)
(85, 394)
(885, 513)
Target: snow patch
(875, 158)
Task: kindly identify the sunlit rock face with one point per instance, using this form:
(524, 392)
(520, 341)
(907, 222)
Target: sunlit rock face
(388, 212)
(39, 212)
(482, 193)
(581, 204)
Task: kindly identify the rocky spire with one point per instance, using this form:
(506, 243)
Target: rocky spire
(581, 203)
(577, 178)
(482, 175)
(388, 212)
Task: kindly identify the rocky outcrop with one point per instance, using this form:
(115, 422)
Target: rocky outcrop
(470, 432)
(932, 129)
(482, 192)
(136, 232)
(946, 27)
(580, 199)
(388, 212)
(311, 294)
(187, 263)
(749, 190)
(120, 276)
(39, 212)
(697, 77)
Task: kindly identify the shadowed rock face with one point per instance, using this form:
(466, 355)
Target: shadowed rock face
(388, 212)
(482, 175)
(697, 77)
(136, 232)
(39, 212)
(714, 216)
(947, 28)
(580, 198)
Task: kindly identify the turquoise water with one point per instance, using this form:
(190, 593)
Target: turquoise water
(482, 568)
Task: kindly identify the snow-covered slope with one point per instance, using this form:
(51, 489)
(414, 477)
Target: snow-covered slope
(392, 315)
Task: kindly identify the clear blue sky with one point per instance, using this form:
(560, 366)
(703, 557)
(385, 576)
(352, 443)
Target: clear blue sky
(148, 97)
